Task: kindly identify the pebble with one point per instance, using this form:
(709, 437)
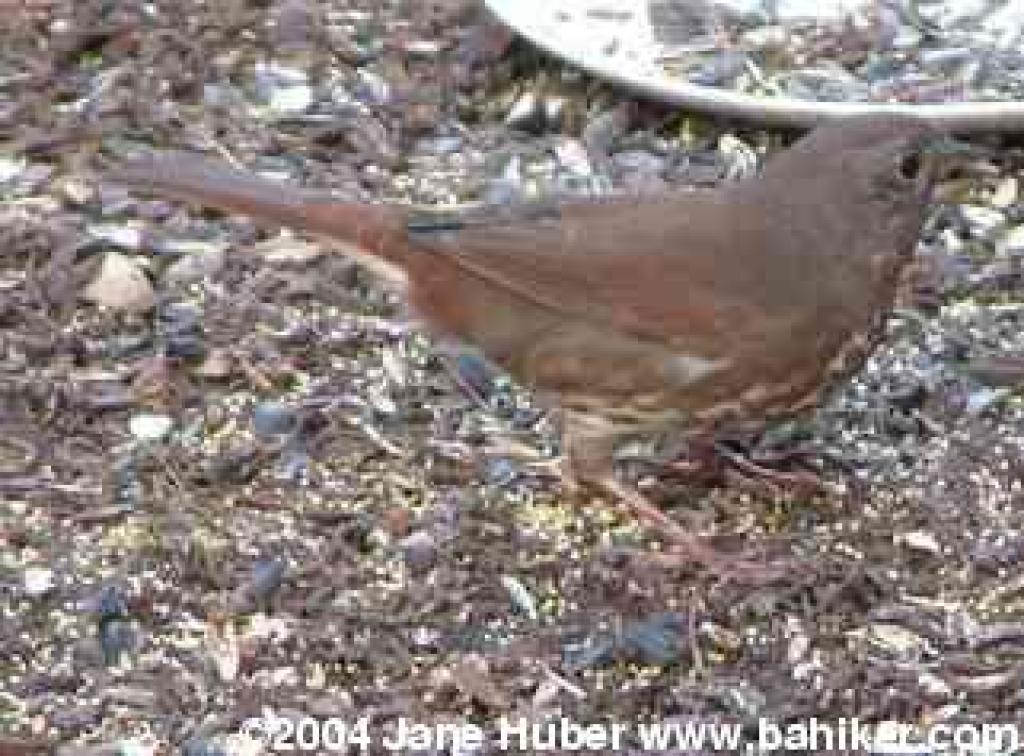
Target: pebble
(38, 581)
(120, 285)
(419, 550)
(982, 221)
(271, 420)
(920, 540)
(1011, 244)
(526, 113)
(150, 427)
(193, 268)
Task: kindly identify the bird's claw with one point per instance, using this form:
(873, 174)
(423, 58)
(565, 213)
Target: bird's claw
(688, 548)
(718, 464)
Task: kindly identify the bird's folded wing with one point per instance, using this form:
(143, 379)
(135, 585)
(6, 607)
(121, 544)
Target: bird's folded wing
(621, 263)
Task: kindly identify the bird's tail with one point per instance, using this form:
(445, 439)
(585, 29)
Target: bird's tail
(374, 231)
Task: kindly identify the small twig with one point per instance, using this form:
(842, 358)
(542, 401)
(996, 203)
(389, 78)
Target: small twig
(571, 688)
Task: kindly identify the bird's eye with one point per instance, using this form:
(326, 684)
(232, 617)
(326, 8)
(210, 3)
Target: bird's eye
(910, 166)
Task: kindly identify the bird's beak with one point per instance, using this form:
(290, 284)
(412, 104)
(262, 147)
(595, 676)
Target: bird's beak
(950, 156)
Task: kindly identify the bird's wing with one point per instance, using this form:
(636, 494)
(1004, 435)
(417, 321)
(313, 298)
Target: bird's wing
(653, 268)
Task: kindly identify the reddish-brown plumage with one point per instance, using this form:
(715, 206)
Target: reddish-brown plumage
(691, 309)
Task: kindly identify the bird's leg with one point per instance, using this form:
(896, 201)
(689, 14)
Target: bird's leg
(589, 449)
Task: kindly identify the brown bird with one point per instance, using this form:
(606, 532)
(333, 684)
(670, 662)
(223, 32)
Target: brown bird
(701, 309)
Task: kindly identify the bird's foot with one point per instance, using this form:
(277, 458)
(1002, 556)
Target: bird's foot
(787, 471)
(801, 471)
(770, 471)
(686, 548)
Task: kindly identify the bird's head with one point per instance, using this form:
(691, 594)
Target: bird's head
(858, 189)
(890, 163)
